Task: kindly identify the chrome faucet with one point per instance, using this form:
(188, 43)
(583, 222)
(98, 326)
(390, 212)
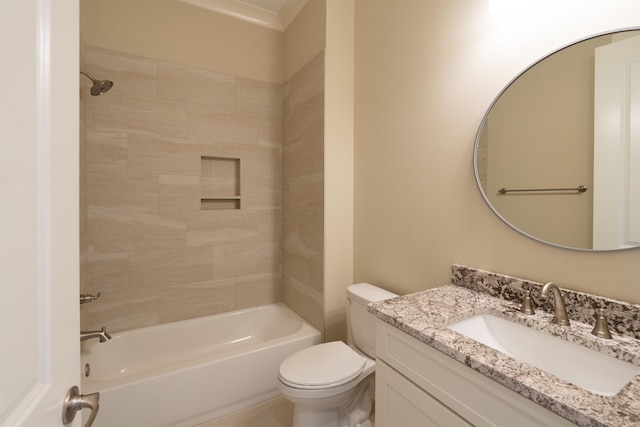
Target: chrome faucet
(102, 335)
(560, 313)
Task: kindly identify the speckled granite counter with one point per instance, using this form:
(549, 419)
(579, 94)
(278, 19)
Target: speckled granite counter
(425, 315)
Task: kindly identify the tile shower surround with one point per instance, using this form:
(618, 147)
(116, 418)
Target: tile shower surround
(581, 307)
(145, 242)
(303, 186)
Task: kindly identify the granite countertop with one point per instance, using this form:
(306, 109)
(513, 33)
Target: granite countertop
(425, 315)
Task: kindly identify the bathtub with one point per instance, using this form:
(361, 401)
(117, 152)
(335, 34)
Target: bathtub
(184, 373)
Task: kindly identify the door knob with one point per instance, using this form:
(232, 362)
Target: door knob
(74, 402)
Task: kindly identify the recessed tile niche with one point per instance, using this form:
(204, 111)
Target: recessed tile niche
(220, 183)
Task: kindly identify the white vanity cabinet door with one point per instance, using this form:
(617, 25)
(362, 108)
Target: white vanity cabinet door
(470, 395)
(400, 403)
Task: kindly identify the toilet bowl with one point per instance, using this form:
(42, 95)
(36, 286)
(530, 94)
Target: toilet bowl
(332, 384)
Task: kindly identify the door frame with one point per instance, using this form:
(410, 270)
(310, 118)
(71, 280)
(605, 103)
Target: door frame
(39, 129)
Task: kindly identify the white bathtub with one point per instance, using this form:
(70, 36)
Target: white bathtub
(184, 373)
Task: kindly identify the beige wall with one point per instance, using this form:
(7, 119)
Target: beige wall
(339, 152)
(305, 37)
(176, 32)
(426, 71)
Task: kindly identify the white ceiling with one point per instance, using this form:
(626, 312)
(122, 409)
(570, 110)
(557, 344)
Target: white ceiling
(274, 14)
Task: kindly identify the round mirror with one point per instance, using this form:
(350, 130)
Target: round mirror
(557, 155)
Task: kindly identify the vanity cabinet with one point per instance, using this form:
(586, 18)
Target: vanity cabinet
(416, 385)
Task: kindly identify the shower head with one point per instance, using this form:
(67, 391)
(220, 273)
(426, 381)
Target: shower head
(99, 86)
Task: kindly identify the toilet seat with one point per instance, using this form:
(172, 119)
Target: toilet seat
(322, 366)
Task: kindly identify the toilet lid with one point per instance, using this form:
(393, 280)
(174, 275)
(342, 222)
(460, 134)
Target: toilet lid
(324, 365)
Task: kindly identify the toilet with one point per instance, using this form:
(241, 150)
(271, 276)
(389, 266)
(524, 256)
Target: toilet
(332, 384)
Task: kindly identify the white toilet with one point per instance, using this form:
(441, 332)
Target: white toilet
(332, 384)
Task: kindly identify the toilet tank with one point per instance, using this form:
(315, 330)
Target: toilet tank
(363, 323)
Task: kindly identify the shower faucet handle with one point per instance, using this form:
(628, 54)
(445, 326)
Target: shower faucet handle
(85, 298)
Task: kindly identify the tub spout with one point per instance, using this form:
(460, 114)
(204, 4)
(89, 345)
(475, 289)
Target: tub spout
(102, 335)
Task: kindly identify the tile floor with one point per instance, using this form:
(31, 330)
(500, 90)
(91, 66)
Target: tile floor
(277, 412)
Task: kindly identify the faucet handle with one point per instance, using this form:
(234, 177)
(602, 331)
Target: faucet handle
(601, 328)
(527, 303)
(527, 300)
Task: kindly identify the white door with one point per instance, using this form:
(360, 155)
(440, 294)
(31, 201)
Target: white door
(39, 255)
(616, 169)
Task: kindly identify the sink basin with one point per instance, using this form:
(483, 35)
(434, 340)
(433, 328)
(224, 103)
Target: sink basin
(586, 368)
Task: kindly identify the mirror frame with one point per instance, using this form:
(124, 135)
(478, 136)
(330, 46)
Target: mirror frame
(484, 121)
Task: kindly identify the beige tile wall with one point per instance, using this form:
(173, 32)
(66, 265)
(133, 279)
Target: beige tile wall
(150, 249)
(303, 245)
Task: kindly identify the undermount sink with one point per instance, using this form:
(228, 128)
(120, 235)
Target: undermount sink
(586, 368)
